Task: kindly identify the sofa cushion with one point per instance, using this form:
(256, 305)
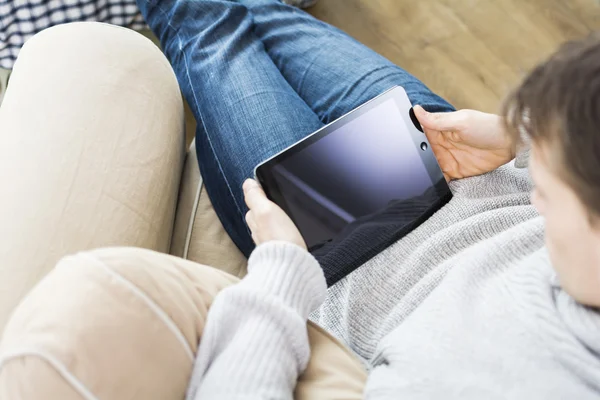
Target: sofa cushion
(132, 333)
(123, 323)
(198, 235)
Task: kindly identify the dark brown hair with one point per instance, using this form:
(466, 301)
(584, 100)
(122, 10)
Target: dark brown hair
(558, 105)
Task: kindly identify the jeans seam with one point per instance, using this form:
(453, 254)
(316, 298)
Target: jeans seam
(187, 73)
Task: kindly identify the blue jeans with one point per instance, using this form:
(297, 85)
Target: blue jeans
(260, 75)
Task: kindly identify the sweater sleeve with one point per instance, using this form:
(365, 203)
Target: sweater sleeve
(255, 341)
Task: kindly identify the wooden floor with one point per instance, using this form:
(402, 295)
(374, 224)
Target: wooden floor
(472, 52)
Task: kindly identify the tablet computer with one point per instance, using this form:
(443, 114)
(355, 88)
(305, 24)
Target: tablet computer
(359, 183)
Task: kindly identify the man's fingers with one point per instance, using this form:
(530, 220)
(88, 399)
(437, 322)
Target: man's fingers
(255, 197)
(255, 239)
(252, 225)
(438, 121)
(250, 221)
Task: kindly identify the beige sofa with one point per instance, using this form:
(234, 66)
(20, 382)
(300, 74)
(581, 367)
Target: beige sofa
(92, 155)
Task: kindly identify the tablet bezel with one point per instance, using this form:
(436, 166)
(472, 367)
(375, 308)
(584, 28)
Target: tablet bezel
(265, 177)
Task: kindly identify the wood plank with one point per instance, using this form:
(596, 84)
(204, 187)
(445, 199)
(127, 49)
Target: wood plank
(472, 52)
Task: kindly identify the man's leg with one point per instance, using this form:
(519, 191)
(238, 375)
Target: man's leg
(245, 109)
(332, 72)
(91, 150)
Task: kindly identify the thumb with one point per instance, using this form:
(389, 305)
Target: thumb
(447, 121)
(255, 197)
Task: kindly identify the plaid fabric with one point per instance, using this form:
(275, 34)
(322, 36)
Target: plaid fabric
(21, 19)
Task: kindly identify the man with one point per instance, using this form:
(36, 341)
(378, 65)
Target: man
(469, 305)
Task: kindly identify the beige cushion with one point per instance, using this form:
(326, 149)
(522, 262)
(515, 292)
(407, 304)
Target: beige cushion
(131, 334)
(123, 323)
(198, 234)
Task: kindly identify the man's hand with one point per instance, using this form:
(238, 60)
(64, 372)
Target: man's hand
(466, 142)
(266, 220)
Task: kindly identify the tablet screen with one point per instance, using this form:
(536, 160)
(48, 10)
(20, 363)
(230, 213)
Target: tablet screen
(354, 171)
(365, 181)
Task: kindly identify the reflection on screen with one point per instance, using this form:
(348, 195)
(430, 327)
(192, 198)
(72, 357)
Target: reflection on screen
(355, 171)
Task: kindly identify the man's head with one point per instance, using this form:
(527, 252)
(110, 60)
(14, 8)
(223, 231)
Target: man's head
(557, 109)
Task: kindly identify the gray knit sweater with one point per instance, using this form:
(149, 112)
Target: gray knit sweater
(466, 306)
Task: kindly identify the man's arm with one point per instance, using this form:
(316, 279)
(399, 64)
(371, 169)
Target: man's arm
(255, 344)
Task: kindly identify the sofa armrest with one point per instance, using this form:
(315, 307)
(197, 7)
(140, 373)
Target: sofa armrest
(91, 150)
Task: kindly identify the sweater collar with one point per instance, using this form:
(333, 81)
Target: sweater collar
(581, 321)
